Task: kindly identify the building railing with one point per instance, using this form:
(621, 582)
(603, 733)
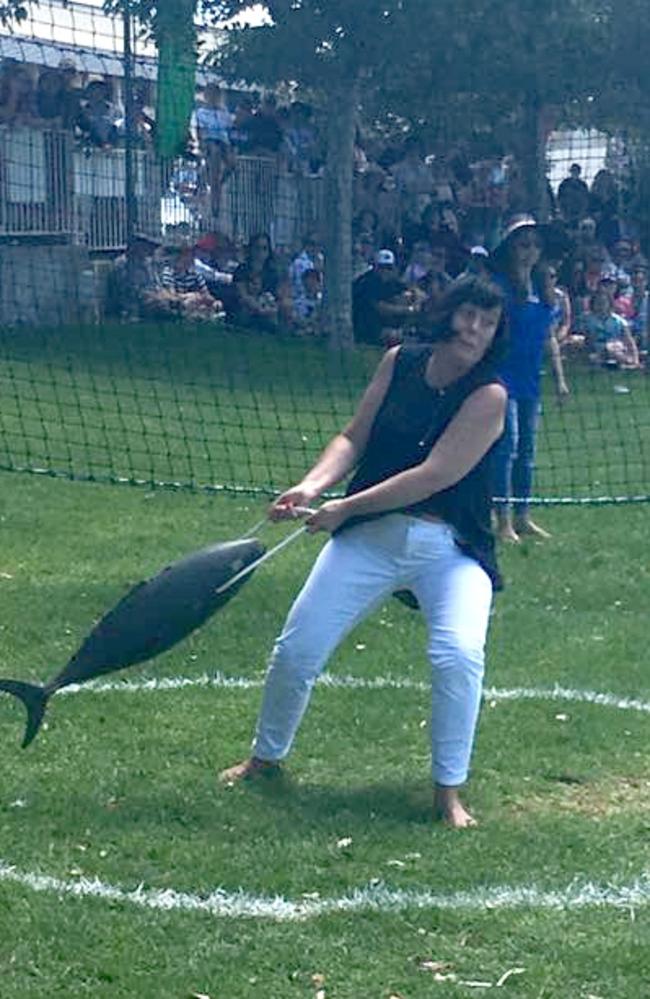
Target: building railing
(51, 186)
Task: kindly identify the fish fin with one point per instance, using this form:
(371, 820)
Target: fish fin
(35, 700)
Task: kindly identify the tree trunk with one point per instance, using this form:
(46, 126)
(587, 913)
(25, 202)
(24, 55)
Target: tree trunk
(533, 157)
(341, 120)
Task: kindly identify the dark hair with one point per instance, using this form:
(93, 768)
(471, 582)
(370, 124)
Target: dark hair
(469, 290)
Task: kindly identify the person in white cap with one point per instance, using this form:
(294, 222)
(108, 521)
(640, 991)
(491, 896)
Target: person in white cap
(530, 306)
(416, 515)
(380, 300)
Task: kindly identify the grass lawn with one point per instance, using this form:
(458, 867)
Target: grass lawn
(121, 787)
(332, 883)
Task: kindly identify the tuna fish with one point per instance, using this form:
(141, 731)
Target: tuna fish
(152, 617)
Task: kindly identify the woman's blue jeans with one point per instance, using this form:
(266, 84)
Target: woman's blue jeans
(514, 457)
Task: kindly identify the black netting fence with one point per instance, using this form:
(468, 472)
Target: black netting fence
(138, 344)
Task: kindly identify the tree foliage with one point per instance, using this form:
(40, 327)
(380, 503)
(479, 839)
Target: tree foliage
(12, 11)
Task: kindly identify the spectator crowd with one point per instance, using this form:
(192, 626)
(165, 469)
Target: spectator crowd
(419, 221)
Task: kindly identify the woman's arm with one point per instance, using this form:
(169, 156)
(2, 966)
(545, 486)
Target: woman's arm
(472, 432)
(557, 365)
(344, 450)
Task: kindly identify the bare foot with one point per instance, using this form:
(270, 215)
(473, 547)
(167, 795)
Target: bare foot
(503, 527)
(507, 533)
(249, 770)
(448, 808)
(529, 527)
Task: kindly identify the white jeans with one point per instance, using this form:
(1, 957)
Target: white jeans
(354, 573)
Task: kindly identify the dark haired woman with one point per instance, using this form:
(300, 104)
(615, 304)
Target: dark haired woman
(260, 270)
(416, 515)
(530, 308)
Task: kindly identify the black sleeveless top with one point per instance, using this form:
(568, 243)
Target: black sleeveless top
(410, 420)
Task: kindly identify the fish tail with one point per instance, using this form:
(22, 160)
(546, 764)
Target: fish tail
(35, 700)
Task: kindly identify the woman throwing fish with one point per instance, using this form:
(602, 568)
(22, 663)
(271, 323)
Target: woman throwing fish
(416, 515)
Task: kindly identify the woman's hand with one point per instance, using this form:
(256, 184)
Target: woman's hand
(289, 505)
(329, 516)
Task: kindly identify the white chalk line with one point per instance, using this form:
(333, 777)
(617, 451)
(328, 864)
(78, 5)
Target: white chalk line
(378, 897)
(332, 681)
(372, 898)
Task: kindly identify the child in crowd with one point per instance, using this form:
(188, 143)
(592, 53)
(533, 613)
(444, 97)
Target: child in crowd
(608, 336)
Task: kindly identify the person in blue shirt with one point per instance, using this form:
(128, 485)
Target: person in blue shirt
(530, 309)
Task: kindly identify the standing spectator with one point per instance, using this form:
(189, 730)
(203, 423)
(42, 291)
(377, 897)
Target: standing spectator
(213, 124)
(309, 259)
(562, 315)
(379, 302)
(98, 117)
(300, 139)
(603, 197)
(530, 302)
(265, 134)
(57, 102)
(17, 99)
(414, 181)
(241, 125)
(573, 196)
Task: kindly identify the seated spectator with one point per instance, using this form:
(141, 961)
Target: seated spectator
(185, 288)
(98, 117)
(380, 302)
(639, 315)
(134, 284)
(585, 240)
(213, 124)
(432, 287)
(421, 262)
(363, 253)
(308, 303)
(57, 101)
(478, 263)
(255, 308)
(17, 99)
(573, 196)
(259, 259)
(608, 337)
(367, 222)
(260, 262)
(206, 262)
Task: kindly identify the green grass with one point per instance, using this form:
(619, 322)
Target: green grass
(122, 787)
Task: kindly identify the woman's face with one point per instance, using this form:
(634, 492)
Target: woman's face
(261, 249)
(526, 248)
(600, 304)
(474, 328)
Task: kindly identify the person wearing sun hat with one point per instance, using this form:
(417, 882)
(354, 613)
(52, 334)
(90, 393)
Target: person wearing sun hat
(530, 304)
